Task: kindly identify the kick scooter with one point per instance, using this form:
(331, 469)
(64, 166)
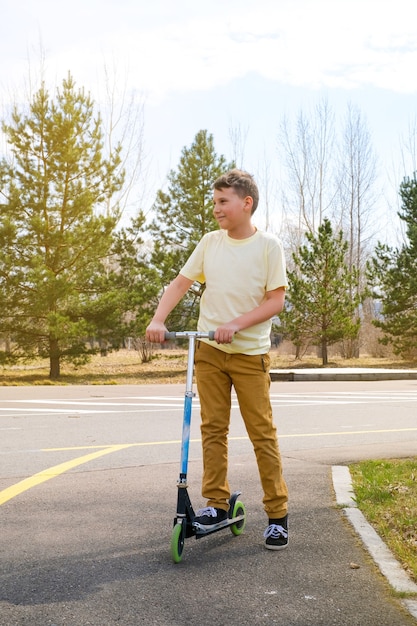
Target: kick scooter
(184, 525)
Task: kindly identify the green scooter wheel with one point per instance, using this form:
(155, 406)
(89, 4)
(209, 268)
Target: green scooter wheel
(238, 509)
(177, 542)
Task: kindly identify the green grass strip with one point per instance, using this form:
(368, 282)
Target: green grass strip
(386, 493)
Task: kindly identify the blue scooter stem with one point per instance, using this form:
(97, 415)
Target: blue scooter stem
(189, 394)
(188, 400)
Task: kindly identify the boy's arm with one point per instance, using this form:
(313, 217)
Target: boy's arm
(272, 305)
(156, 330)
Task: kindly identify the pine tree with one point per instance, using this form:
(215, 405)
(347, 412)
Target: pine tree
(319, 309)
(128, 290)
(183, 214)
(56, 224)
(393, 275)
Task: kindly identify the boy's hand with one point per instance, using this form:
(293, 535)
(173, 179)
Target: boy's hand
(155, 332)
(225, 333)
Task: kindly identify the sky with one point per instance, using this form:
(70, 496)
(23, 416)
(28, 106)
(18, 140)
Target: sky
(221, 65)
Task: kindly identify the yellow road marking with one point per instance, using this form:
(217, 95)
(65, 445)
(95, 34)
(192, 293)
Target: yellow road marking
(52, 472)
(56, 470)
(124, 445)
(281, 436)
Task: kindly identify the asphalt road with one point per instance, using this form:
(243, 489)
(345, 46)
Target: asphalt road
(88, 492)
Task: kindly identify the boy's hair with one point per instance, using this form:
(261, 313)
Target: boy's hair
(242, 183)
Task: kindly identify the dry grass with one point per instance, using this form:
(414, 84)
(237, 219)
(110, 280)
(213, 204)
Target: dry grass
(117, 368)
(167, 366)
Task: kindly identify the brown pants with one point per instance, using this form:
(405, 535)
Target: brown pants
(216, 373)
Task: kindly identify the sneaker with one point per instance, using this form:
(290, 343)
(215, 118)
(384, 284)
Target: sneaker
(276, 535)
(209, 516)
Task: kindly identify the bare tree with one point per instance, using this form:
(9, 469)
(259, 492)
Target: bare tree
(357, 176)
(401, 168)
(238, 137)
(123, 116)
(267, 186)
(330, 175)
(266, 181)
(409, 149)
(306, 151)
(356, 201)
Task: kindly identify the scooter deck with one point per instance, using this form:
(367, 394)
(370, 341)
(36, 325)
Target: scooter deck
(201, 531)
(186, 515)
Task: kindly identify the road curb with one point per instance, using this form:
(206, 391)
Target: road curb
(341, 373)
(390, 568)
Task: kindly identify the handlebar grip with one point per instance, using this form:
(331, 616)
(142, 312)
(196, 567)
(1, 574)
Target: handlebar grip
(211, 335)
(170, 335)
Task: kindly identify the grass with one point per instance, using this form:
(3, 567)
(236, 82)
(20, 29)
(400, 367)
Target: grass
(386, 493)
(167, 366)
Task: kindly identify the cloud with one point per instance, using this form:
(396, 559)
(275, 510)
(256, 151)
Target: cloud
(309, 43)
(304, 43)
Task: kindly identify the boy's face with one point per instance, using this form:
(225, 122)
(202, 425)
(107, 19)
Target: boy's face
(232, 212)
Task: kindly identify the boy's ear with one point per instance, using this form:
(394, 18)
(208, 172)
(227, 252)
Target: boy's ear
(249, 202)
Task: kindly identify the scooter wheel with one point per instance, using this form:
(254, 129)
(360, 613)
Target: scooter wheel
(177, 542)
(238, 509)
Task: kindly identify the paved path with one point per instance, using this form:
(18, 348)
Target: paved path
(88, 543)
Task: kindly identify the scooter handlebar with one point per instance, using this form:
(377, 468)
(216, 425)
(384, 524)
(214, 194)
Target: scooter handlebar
(188, 333)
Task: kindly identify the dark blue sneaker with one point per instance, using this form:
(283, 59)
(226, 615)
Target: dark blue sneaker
(276, 535)
(209, 517)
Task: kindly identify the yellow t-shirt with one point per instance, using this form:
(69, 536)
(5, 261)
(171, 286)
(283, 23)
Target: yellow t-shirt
(237, 273)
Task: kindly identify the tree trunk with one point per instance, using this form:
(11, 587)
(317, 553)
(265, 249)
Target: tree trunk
(54, 360)
(324, 352)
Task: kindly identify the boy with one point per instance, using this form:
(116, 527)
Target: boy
(245, 276)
